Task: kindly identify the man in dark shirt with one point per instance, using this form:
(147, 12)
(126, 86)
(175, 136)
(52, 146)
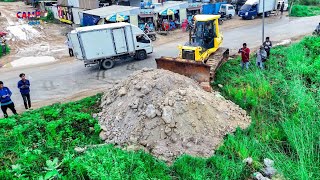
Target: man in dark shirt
(24, 86)
(282, 8)
(245, 56)
(267, 46)
(5, 100)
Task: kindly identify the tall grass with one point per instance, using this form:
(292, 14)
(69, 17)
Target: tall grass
(304, 10)
(283, 101)
(285, 111)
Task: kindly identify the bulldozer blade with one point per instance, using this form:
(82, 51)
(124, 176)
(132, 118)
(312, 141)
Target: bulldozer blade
(197, 71)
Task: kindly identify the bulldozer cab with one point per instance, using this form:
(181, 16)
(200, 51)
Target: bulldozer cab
(204, 38)
(204, 34)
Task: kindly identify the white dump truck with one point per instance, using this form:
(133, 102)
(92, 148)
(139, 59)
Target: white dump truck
(107, 43)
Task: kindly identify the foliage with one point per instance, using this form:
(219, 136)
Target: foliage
(114, 163)
(33, 145)
(283, 101)
(7, 50)
(303, 10)
(284, 107)
(49, 17)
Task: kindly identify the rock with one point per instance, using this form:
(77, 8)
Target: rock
(248, 161)
(94, 115)
(151, 111)
(269, 171)
(218, 95)
(268, 162)
(122, 91)
(167, 130)
(182, 92)
(259, 176)
(103, 136)
(167, 114)
(206, 86)
(220, 85)
(80, 150)
(91, 129)
(170, 102)
(104, 128)
(145, 90)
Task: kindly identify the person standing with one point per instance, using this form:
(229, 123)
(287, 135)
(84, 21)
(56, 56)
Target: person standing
(282, 9)
(245, 56)
(267, 46)
(69, 44)
(24, 86)
(5, 100)
(278, 8)
(261, 56)
(3, 46)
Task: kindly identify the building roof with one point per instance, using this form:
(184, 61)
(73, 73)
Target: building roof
(176, 5)
(109, 10)
(102, 26)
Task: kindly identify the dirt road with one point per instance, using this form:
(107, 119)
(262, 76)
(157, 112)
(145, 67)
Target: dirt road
(25, 40)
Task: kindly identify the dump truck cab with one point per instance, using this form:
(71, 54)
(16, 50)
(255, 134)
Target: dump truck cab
(204, 39)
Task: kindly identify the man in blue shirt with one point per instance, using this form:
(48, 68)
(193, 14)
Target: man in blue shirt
(5, 100)
(24, 86)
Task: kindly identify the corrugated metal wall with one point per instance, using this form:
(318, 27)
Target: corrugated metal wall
(63, 2)
(88, 4)
(73, 3)
(83, 4)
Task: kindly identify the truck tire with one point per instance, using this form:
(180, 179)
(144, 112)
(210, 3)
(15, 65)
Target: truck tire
(252, 17)
(230, 16)
(141, 55)
(268, 14)
(107, 64)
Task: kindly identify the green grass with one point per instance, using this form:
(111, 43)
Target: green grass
(7, 50)
(304, 11)
(283, 102)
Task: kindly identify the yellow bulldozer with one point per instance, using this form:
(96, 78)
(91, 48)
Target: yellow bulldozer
(202, 55)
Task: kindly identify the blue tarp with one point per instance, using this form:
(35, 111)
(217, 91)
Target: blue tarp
(90, 20)
(212, 8)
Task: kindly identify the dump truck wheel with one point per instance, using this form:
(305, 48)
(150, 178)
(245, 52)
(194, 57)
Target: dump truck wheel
(153, 37)
(107, 64)
(141, 55)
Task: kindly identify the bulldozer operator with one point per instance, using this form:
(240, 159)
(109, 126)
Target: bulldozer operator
(203, 35)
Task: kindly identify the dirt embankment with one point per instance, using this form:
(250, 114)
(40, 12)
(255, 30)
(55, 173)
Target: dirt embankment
(167, 114)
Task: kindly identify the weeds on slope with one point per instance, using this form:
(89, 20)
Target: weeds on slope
(304, 11)
(40, 145)
(284, 102)
(35, 143)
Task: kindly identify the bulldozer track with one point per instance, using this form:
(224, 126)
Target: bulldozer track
(216, 60)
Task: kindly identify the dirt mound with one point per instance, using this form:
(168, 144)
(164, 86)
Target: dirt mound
(167, 114)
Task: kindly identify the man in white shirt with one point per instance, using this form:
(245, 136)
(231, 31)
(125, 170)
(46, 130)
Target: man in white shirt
(261, 55)
(69, 44)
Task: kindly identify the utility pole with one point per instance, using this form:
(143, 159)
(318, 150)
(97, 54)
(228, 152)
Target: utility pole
(263, 14)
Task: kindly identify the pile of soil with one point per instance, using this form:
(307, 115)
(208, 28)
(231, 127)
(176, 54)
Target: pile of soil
(167, 114)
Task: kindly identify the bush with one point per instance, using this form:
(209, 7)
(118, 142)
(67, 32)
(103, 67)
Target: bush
(49, 17)
(7, 50)
(284, 103)
(303, 11)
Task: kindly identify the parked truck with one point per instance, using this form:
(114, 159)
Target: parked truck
(105, 44)
(212, 8)
(253, 8)
(227, 10)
